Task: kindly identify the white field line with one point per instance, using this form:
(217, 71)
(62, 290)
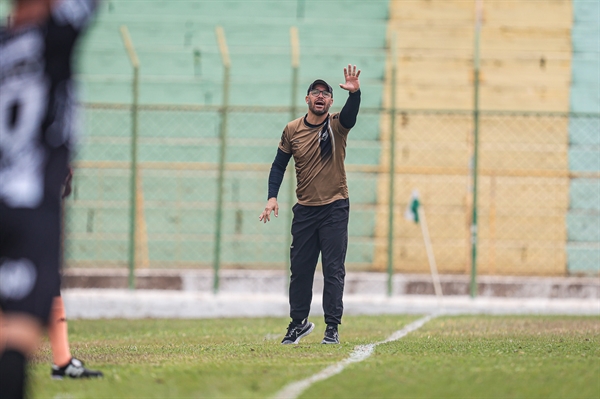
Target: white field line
(360, 353)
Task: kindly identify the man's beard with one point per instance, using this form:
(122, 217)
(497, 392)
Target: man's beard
(325, 110)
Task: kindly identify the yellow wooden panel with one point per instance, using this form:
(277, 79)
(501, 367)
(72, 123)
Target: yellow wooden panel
(442, 37)
(535, 89)
(454, 71)
(531, 215)
(538, 39)
(410, 256)
(520, 226)
(456, 156)
(532, 70)
(499, 258)
(494, 256)
(525, 157)
(457, 216)
(451, 223)
(520, 97)
(492, 97)
(546, 258)
(433, 11)
(523, 186)
(526, 38)
(554, 13)
(447, 191)
(498, 157)
(442, 155)
(463, 53)
(430, 96)
(521, 130)
(456, 96)
(434, 190)
(518, 130)
(448, 222)
(433, 128)
(539, 195)
(550, 14)
(441, 72)
(490, 55)
(443, 191)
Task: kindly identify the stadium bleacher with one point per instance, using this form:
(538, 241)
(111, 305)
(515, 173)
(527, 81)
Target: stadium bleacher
(523, 165)
(180, 65)
(538, 184)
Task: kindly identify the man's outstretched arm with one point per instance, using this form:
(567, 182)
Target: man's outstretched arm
(349, 112)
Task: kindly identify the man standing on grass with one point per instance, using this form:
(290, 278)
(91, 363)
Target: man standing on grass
(317, 141)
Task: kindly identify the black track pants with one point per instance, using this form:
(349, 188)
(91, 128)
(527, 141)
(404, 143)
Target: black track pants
(319, 230)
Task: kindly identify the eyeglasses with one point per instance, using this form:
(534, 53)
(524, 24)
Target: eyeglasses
(316, 92)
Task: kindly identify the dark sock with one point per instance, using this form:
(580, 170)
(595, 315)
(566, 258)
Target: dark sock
(298, 321)
(332, 325)
(12, 374)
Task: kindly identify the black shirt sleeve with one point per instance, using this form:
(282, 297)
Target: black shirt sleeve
(349, 112)
(277, 171)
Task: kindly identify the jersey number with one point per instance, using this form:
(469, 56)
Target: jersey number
(22, 106)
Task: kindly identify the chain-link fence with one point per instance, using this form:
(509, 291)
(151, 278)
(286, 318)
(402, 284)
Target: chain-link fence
(537, 193)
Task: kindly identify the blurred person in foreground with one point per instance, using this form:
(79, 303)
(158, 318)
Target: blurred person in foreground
(37, 107)
(317, 141)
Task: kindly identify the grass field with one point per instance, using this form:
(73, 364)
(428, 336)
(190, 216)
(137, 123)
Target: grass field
(449, 357)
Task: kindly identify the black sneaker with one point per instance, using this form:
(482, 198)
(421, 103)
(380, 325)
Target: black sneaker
(74, 369)
(331, 336)
(297, 331)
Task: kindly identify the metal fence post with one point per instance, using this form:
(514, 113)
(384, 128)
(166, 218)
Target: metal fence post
(390, 265)
(478, 19)
(223, 153)
(295, 45)
(134, 133)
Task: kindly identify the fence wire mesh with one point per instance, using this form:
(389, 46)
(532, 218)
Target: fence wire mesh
(537, 197)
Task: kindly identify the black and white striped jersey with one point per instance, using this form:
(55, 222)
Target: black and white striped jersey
(37, 103)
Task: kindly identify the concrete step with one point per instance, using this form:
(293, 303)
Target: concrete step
(357, 283)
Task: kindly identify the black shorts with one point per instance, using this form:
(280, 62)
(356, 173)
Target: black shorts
(29, 260)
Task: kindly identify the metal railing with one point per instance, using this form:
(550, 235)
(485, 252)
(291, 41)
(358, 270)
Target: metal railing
(197, 178)
(530, 212)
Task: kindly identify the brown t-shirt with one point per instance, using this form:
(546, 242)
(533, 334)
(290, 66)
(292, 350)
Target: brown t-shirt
(319, 156)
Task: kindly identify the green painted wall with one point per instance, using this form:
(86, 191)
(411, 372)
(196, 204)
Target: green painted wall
(583, 219)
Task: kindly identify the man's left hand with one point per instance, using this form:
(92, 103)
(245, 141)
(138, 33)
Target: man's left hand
(351, 75)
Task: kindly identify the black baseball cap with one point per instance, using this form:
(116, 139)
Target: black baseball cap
(320, 82)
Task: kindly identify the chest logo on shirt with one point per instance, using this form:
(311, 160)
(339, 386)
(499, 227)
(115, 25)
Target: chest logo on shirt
(323, 135)
(325, 144)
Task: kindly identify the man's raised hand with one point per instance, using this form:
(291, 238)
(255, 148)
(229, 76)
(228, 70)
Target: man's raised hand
(351, 76)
